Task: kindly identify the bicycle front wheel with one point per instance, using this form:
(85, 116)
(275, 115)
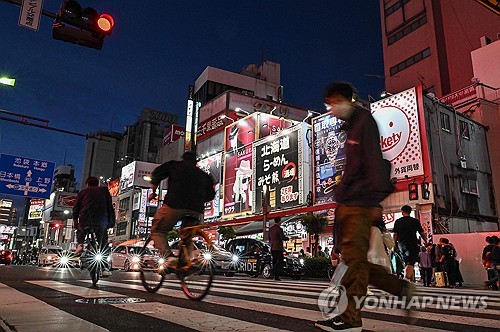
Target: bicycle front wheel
(151, 268)
(197, 276)
(95, 274)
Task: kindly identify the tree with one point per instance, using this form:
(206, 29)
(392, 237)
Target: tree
(226, 232)
(314, 225)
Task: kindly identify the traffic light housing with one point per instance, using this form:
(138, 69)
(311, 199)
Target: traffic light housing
(81, 26)
(426, 193)
(413, 191)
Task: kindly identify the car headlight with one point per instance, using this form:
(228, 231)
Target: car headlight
(64, 260)
(98, 257)
(136, 259)
(161, 261)
(207, 256)
(235, 258)
(301, 261)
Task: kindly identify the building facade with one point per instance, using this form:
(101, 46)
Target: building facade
(100, 156)
(429, 42)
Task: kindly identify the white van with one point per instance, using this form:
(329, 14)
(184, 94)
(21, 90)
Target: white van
(49, 255)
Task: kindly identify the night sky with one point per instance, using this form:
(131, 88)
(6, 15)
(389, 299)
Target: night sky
(158, 48)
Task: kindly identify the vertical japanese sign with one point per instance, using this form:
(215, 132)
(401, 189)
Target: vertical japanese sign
(30, 13)
(278, 165)
(397, 120)
(329, 156)
(212, 165)
(238, 194)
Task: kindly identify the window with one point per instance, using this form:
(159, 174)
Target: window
(469, 186)
(410, 61)
(445, 122)
(400, 34)
(464, 130)
(395, 7)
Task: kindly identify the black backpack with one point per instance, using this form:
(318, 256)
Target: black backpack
(387, 185)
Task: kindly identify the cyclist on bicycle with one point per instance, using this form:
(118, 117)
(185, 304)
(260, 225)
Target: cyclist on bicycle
(94, 208)
(188, 189)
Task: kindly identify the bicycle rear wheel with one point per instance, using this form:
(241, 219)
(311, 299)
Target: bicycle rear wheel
(151, 268)
(197, 276)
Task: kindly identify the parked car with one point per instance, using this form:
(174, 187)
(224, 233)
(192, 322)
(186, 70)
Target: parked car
(5, 257)
(128, 257)
(255, 258)
(222, 260)
(49, 255)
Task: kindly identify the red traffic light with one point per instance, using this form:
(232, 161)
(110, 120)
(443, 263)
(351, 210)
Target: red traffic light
(105, 23)
(413, 191)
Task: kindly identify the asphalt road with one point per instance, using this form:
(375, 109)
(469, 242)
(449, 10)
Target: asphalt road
(55, 299)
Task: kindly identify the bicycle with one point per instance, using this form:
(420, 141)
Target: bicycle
(193, 266)
(92, 257)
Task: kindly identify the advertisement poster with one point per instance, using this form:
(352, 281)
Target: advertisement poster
(329, 156)
(278, 166)
(238, 166)
(213, 166)
(36, 208)
(397, 120)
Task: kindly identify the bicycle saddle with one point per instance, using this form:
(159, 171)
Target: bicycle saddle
(190, 218)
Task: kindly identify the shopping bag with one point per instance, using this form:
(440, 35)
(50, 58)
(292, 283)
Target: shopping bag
(339, 273)
(377, 253)
(441, 279)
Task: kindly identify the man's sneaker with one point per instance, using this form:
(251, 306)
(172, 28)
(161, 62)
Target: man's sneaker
(337, 324)
(106, 273)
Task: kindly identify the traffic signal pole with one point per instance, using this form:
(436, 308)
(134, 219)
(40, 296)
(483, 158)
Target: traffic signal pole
(23, 121)
(19, 3)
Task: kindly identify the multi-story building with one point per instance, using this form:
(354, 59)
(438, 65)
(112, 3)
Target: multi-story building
(7, 212)
(256, 81)
(100, 156)
(450, 49)
(429, 42)
(142, 140)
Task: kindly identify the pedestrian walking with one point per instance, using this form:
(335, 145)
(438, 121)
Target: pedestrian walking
(405, 236)
(276, 238)
(425, 264)
(365, 182)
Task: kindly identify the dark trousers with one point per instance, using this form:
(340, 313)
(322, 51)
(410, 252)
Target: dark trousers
(277, 262)
(426, 273)
(352, 228)
(102, 239)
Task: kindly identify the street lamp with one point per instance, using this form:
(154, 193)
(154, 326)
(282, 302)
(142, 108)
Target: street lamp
(224, 116)
(241, 112)
(7, 81)
(310, 114)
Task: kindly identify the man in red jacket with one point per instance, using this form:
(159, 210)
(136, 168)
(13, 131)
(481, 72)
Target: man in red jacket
(94, 208)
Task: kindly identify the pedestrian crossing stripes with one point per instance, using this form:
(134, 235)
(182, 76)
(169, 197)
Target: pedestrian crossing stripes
(235, 304)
